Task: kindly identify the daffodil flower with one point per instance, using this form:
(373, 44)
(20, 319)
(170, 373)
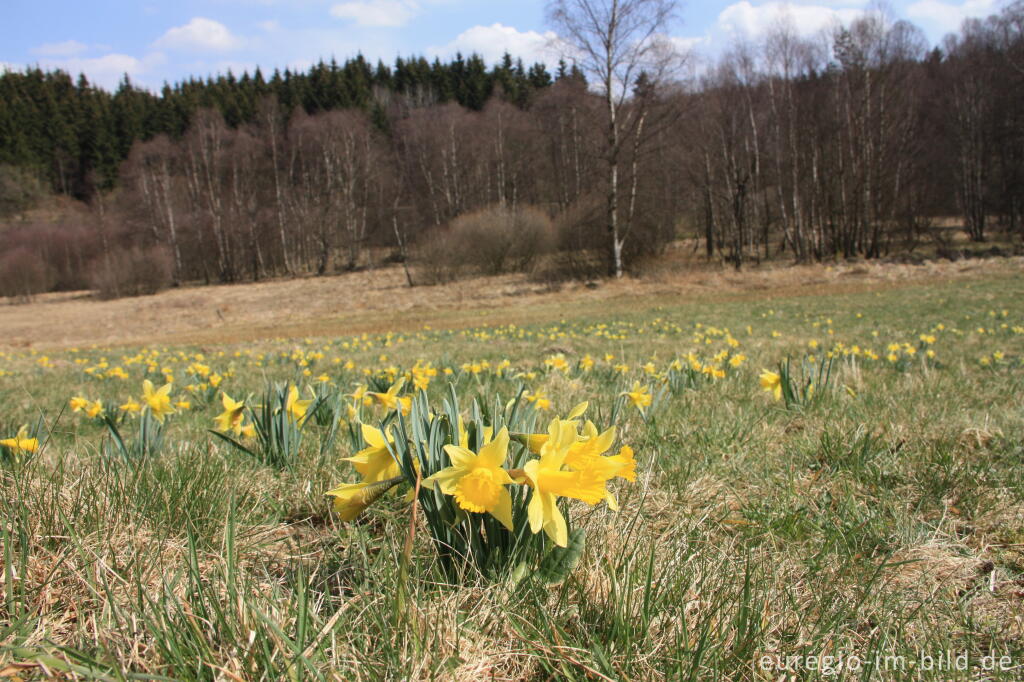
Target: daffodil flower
(352, 499)
(296, 408)
(91, 408)
(230, 420)
(550, 481)
(157, 400)
(640, 396)
(772, 382)
(21, 442)
(374, 462)
(391, 400)
(477, 480)
(587, 455)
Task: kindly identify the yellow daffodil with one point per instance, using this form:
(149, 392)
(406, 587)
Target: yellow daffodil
(374, 462)
(772, 382)
(477, 480)
(95, 409)
(539, 400)
(296, 408)
(550, 481)
(587, 455)
(91, 408)
(21, 442)
(157, 400)
(640, 396)
(230, 420)
(391, 400)
(351, 499)
(130, 406)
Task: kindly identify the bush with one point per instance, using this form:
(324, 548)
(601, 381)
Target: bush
(582, 239)
(131, 272)
(436, 259)
(23, 274)
(490, 241)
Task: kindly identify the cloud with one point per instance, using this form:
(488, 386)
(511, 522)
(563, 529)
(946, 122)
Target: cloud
(744, 19)
(492, 42)
(68, 48)
(687, 45)
(947, 17)
(199, 34)
(377, 13)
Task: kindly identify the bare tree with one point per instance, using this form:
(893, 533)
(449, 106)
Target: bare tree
(614, 42)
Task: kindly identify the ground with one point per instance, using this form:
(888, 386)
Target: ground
(870, 527)
(379, 300)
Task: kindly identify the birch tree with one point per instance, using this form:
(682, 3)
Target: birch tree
(614, 42)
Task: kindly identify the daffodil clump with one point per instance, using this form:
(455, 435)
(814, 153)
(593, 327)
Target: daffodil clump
(800, 385)
(271, 431)
(494, 494)
(152, 408)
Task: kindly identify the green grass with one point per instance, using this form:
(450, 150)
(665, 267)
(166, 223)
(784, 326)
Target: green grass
(879, 522)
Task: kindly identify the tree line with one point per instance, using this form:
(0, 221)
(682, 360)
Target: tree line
(853, 143)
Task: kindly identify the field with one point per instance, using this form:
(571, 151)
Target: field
(856, 513)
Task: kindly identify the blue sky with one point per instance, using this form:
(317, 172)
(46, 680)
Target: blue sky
(160, 40)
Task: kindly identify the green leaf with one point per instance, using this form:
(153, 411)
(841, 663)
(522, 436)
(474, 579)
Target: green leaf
(560, 561)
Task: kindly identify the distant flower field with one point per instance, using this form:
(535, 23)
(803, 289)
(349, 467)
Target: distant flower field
(678, 492)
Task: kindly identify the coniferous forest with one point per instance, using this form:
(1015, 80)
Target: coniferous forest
(864, 142)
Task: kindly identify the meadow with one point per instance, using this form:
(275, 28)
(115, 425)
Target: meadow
(827, 485)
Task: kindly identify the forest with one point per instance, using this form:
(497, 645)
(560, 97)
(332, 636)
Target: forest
(861, 142)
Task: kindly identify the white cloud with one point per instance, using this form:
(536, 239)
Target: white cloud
(68, 48)
(947, 17)
(744, 19)
(377, 13)
(492, 42)
(199, 34)
(685, 46)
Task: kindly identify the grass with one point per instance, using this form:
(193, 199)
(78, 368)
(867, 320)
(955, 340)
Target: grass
(879, 523)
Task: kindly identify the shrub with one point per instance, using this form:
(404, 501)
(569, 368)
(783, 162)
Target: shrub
(490, 241)
(131, 272)
(502, 239)
(581, 238)
(436, 258)
(24, 274)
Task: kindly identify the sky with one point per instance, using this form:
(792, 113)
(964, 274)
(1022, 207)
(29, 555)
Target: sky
(157, 41)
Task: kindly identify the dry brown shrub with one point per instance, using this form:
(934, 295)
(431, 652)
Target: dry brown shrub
(23, 275)
(491, 241)
(581, 235)
(131, 272)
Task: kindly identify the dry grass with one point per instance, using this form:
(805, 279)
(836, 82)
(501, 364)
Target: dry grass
(379, 300)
